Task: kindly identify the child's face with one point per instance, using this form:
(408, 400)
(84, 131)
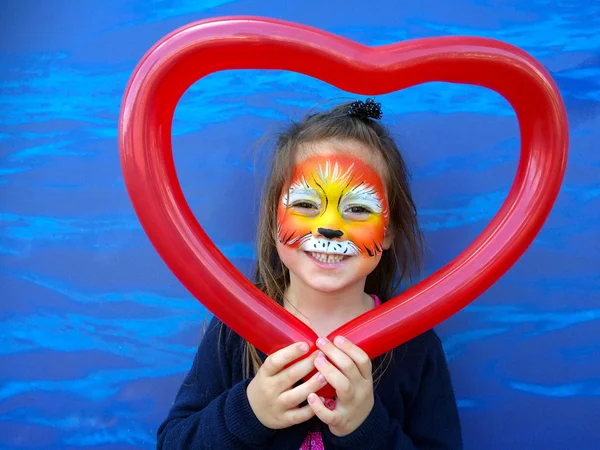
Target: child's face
(332, 221)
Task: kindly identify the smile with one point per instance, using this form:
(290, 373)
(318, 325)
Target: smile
(327, 258)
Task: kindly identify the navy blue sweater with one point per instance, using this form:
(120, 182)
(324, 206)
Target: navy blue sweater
(415, 407)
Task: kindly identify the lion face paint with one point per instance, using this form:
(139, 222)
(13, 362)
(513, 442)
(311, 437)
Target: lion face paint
(334, 205)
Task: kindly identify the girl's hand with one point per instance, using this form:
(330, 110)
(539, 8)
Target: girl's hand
(271, 394)
(353, 382)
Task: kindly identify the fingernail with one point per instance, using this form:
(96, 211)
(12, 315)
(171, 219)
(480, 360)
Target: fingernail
(321, 379)
(340, 340)
(304, 347)
(321, 342)
(321, 355)
(312, 398)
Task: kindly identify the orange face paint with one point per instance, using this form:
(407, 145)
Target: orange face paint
(334, 205)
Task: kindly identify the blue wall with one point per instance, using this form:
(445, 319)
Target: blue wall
(96, 333)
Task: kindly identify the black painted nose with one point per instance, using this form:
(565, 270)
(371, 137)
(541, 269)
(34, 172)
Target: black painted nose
(330, 234)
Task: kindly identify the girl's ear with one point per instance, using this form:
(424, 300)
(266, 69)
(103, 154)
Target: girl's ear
(388, 239)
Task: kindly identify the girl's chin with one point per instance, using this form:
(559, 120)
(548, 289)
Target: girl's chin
(326, 286)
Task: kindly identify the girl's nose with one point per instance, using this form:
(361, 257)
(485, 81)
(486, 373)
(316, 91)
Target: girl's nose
(330, 234)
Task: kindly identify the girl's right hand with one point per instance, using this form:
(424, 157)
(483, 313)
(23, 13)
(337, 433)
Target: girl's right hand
(271, 393)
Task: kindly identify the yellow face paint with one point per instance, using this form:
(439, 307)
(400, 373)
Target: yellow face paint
(334, 205)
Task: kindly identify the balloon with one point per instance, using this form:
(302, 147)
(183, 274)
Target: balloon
(183, 57)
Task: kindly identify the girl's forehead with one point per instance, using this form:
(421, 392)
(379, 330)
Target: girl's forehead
(347, 150)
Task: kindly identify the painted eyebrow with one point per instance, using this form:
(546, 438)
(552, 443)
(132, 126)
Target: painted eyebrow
(301, 193)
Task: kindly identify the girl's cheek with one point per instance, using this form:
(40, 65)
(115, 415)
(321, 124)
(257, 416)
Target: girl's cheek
(292, 226)
(367, 233)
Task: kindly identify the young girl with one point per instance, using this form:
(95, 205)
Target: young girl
(337, 236)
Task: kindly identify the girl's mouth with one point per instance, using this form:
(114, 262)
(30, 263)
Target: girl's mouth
(327, 258)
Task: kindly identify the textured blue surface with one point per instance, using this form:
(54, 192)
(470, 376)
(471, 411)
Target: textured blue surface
(97, 334)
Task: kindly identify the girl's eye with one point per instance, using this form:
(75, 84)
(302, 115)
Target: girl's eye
(305, 208)
(358, 210)
(304, 205)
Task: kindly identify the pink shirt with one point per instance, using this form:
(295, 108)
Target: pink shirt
(313, 440)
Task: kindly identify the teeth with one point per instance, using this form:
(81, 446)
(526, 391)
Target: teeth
(329, 259)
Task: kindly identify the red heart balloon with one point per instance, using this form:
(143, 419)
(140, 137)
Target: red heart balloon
(199, 49)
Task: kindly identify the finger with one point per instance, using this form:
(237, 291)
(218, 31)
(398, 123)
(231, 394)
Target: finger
(297, 395)
(295, 372)
(341, 384)
(341, 360)
(296, 415)
(327, 416)
(360, 358)
(281, 358)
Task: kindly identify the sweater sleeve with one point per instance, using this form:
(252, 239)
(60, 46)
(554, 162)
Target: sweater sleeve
(431, 421)
(210, 411)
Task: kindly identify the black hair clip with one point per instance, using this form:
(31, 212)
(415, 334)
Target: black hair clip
(365, 110)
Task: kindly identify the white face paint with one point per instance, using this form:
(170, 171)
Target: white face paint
(315, 244)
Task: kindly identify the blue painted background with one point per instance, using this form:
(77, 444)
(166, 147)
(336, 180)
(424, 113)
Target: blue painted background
(96, 334)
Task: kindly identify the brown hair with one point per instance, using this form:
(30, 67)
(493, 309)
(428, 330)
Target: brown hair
(398, 265)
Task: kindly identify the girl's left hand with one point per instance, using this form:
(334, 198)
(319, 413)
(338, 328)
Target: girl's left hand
(352, 379)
